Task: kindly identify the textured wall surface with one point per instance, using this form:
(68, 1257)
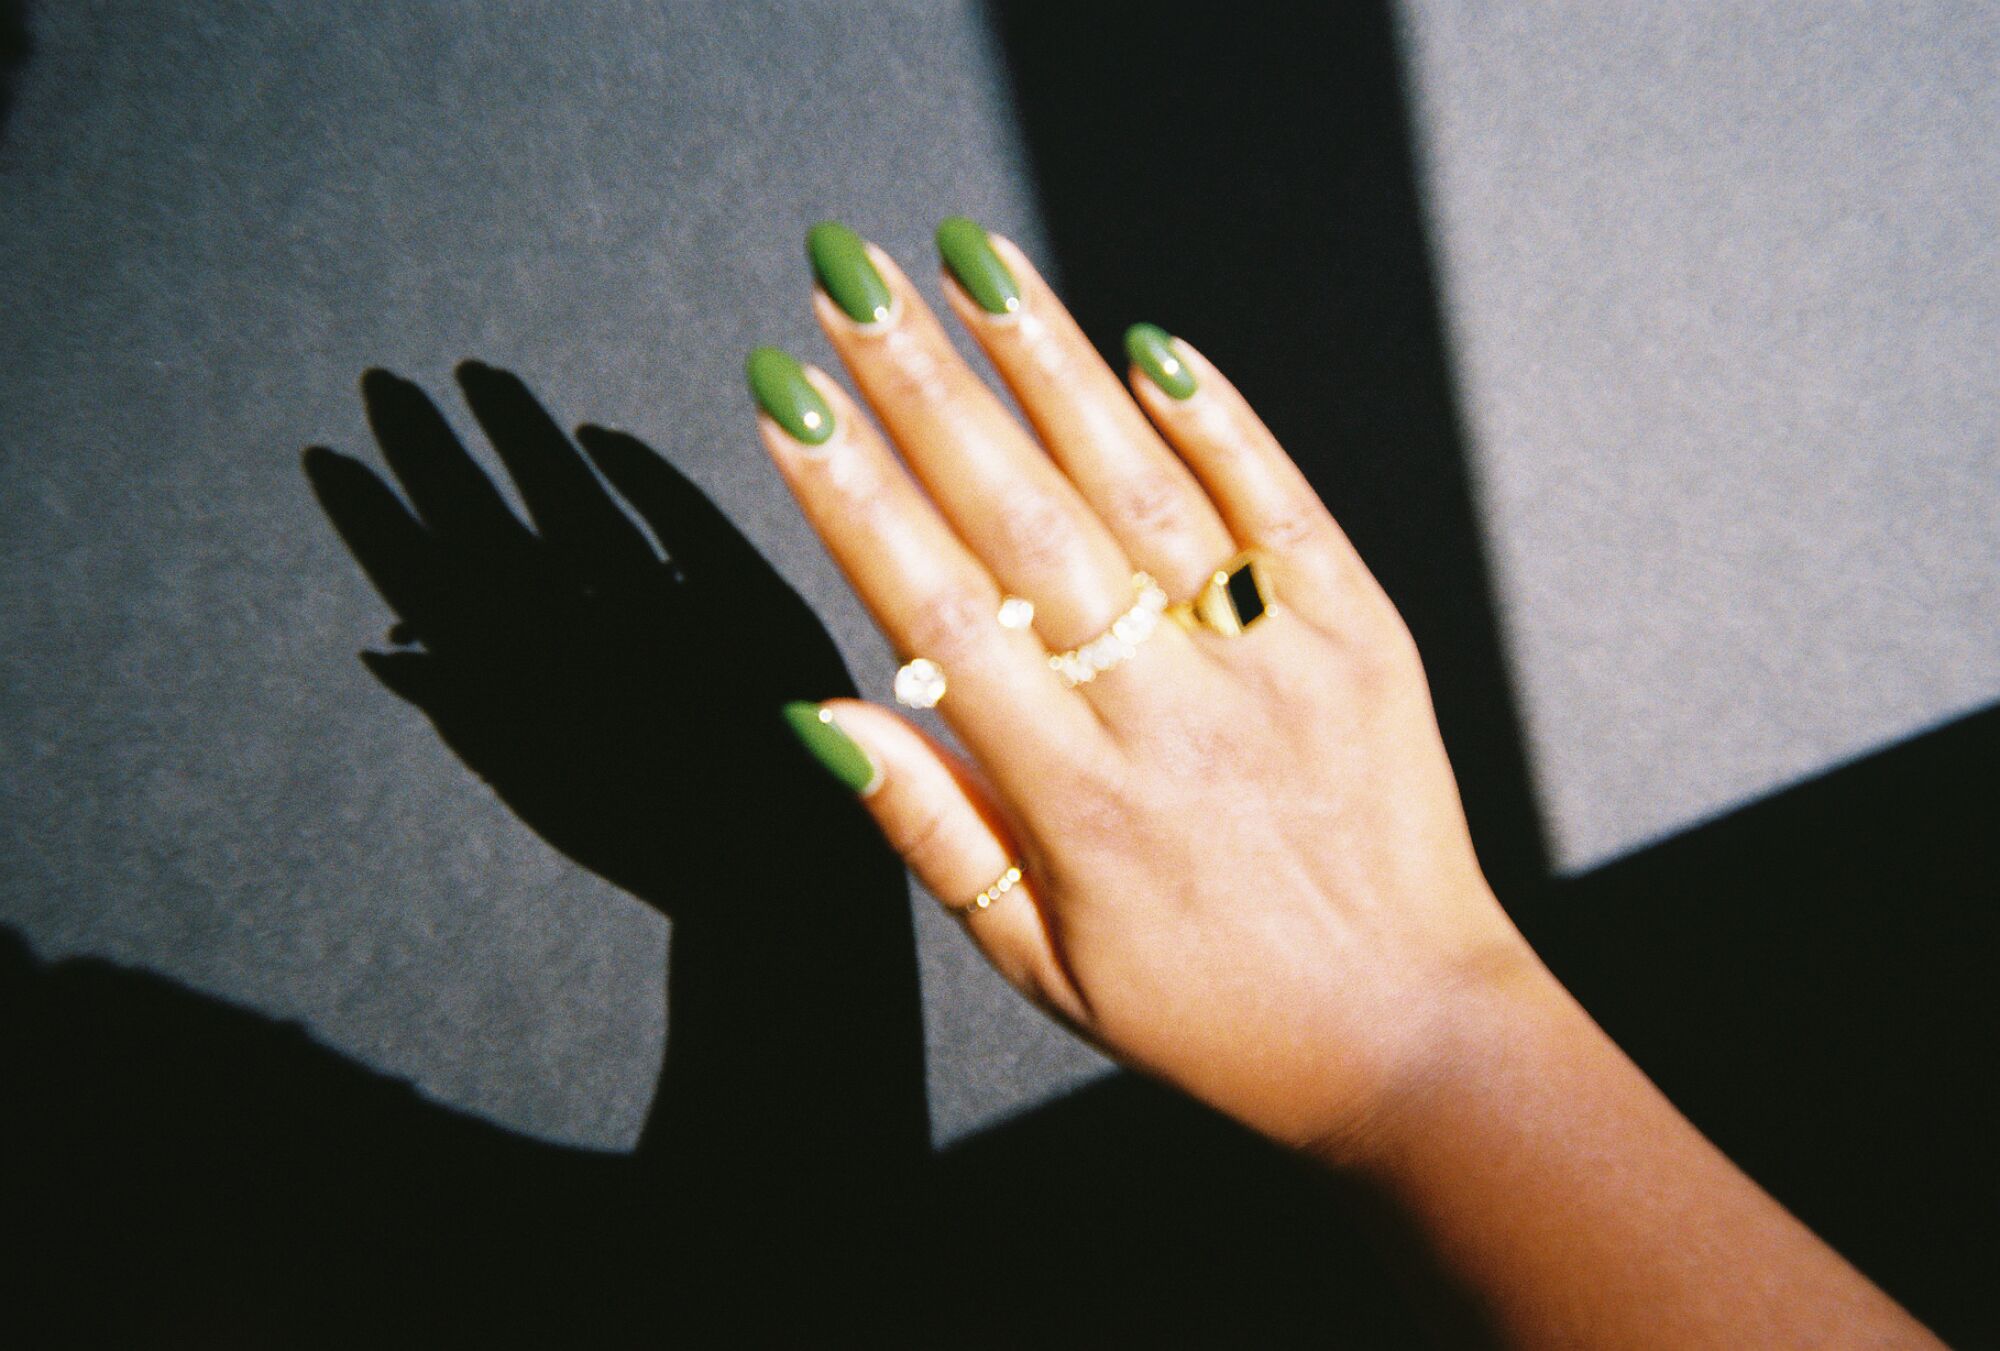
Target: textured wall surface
(1723, 286)
(212, 220)
(1723, 283)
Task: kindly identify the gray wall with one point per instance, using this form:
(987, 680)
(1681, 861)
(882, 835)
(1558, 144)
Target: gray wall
(1724, 289)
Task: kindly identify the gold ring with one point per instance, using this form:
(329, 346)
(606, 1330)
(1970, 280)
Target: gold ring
(1114, 646)
(1002, 884)
(1235, 596)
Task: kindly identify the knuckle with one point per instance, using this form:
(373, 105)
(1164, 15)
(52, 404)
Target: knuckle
(951, 628)
(922, 839)
(1097, 808)
(1394, 659)
(913, 370)
(1193, 749)
(1035, 533)
(1294, 692)
(1295, 521)
(858, 481)
(1218, 732)
(1153, 502)
(1041, 343)
(1380, 660)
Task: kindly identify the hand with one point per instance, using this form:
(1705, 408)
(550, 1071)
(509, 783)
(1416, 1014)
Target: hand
(573, 667)
(1246, 866)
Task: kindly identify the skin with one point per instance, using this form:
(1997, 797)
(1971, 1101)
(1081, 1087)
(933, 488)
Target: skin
(1247, 871)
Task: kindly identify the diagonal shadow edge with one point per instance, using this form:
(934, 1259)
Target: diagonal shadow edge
(16, 46)
(1282, 231)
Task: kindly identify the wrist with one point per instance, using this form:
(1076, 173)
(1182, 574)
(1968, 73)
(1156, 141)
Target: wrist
(1497, 1004)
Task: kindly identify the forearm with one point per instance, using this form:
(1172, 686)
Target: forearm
(1556, 1189)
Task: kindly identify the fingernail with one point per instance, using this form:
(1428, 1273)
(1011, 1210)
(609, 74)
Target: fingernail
(815, 728)
(1152, 351)
(970, 256)
(840, 260)
(781, 389)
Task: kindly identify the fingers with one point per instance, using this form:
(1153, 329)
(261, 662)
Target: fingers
(1082, 413)
(934, 813)
(451, 493)
(570, 509)
(1018, 513)
(924, 587)
(399, 556)
(1266, 501)
(700, 539)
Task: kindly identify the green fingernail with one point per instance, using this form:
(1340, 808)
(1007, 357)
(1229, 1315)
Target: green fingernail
(970, 256)
(1152, 351)
(782, 390)
(840, 261)
(832, 747)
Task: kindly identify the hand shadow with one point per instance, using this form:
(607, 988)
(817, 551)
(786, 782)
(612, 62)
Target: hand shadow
(622, 703)
(625, 703)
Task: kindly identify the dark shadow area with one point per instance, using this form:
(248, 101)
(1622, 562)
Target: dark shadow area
(1124, 1215)
(1811, 980)
(181, 1172)
(15, 48)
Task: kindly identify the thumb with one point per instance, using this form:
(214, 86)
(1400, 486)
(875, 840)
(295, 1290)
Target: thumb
(934, 811)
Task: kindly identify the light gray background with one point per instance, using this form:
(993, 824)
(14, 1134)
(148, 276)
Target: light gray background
(1721, 285)
(1723, 290)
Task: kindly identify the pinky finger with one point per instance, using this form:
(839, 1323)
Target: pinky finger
(936, 814)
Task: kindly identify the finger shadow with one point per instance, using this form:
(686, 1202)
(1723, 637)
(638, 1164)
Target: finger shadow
(15, 49)
(616, 678)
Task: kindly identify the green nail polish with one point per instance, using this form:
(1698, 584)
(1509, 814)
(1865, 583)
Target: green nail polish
(782, 390)
(840, 261)
(832, 747)
(1152, 351)
(970, 256)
